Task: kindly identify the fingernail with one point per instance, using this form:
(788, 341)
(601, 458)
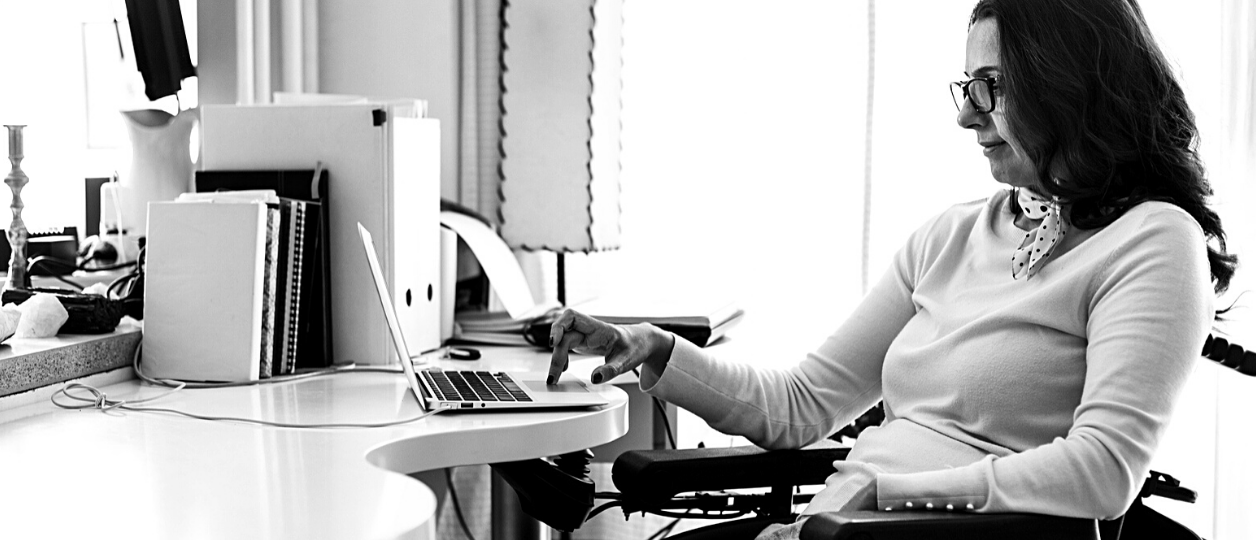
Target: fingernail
(551, 342)
(597, 378)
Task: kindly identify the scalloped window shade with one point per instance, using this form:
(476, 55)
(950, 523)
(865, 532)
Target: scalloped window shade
(560, 125)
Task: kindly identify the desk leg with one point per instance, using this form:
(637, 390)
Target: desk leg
(509, 521)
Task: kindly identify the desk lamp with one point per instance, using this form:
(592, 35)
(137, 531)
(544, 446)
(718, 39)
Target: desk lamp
(560, 128)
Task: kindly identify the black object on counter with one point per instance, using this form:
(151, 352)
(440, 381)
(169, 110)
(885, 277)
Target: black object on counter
(89, 313)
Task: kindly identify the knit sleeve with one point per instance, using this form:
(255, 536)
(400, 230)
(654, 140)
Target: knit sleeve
(1147, 318)
(790, 408)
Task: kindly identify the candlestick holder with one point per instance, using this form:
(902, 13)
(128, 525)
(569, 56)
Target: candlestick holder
(17, 278)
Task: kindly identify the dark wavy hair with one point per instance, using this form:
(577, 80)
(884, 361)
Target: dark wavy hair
(1089, 91)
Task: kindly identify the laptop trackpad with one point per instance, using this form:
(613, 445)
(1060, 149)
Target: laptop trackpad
(561, 387)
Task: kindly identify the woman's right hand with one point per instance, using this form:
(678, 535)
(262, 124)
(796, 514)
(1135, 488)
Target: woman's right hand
(624, 346)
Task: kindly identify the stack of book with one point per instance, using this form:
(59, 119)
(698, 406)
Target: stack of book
(699, 320)
(228, 284)
(304, 209)
(296, 232)
(499, 328)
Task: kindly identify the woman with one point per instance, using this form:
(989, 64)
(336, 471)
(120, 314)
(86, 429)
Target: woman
(1029, 347)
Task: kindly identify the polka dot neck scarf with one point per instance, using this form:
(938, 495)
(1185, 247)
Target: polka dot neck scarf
(1040, 242)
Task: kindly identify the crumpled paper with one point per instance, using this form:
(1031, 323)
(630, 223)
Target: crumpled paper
(42, 316)
(9, 317)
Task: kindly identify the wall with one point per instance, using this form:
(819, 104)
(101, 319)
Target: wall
(396, 48)
(381, 48)
(216, 41)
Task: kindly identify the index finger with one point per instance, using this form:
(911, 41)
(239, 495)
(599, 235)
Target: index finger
(559, 343)
(559, 358)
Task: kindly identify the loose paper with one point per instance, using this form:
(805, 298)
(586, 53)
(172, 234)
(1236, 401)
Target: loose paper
(497, 260)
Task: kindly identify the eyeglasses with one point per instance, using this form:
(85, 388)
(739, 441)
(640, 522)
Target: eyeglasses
(980, 90)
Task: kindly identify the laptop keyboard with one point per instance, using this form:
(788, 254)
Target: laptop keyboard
(474, 386)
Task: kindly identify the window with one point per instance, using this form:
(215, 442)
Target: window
(743, 173)
(57, 80)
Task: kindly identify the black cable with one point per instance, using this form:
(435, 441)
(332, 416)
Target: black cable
(602, 508)
(658, 405)
(100, 400)
(122, 281)
(127, 282)
(536, 330)
(665, 530)
(72, 267)
(453, 496)
(52, 261)
(118, 266)
(64, 268)
(68, 282)
(46, 260)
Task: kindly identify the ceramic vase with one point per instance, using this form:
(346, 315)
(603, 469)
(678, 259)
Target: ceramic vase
(161, 163)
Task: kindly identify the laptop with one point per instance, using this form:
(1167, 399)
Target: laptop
(473, 390)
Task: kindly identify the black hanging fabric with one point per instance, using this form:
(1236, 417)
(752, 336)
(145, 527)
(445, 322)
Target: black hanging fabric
(161, 47)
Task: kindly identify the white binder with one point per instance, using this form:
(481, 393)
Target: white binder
(383, 164)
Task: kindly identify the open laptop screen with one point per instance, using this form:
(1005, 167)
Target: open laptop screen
(390, 314)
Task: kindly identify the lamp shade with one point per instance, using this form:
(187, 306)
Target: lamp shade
(561, 125)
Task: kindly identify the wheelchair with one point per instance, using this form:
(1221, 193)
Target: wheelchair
(704, 483)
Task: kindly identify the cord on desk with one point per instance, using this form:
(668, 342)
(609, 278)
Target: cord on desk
(105, 268)
(100, 400)
(453, 496)
(64, 264)
(50, 261)
(126, 283)
(63, 268)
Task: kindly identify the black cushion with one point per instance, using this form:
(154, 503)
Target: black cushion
(930, 525)
(660, 474)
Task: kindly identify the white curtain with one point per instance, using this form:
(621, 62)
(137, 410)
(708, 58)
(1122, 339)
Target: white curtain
(1234, 176)
(744, 154)
(1208, 444)
(743, 161)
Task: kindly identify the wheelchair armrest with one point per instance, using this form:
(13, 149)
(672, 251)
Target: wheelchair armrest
(661, 474)
(912, 525)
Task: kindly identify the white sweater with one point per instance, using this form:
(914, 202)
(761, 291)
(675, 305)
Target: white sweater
(1048, 395)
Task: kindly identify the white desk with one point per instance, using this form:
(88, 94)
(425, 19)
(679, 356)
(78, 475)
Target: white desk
(138, 475)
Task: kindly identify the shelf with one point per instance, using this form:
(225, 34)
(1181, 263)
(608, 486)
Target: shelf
(28, 364)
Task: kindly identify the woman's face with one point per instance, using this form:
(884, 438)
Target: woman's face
(1008, 162)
